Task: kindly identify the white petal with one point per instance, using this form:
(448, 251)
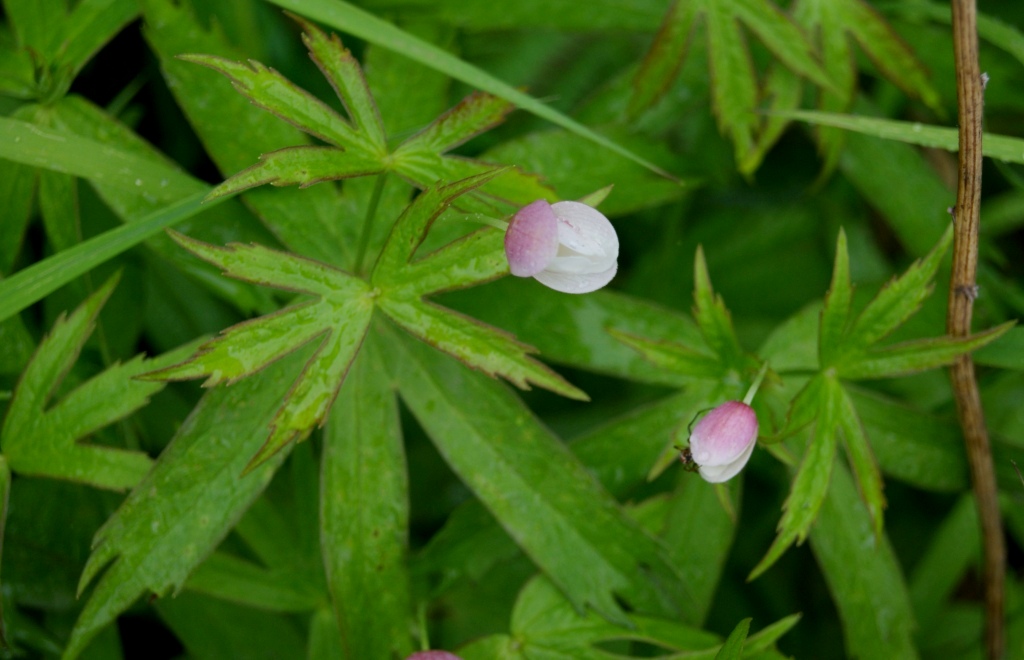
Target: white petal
(588, 243)
(716, 474)
(576, 282)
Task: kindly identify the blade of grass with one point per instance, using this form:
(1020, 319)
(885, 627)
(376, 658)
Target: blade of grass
(31, 284)
(1000, 147)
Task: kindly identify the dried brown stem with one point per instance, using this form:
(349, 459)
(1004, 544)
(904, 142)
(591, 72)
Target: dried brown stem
(962, 292)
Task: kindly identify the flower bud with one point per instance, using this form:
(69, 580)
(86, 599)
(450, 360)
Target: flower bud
(723, 440)
(433, 655)
(567, 246)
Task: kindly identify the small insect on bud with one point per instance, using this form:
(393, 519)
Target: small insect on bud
(433, 655)
(567, 246)
(722, 441)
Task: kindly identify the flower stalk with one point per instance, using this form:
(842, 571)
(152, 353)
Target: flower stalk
(962, 292)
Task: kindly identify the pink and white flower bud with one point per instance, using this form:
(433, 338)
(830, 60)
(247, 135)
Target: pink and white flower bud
(567, 246)
(433, 655)
(723, 440)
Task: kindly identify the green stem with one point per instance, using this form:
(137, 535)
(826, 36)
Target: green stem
(371, 211)
(756, 384)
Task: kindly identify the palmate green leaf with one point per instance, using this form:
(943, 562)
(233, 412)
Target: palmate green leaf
(479, 346)
(210, 628)
(732, 649)
(734, 88)
(700, 532)
(665, 58)
(42, 440)
(847, 346)
(361, 149)
(473, 115)
(863, 576)
(530, 310)
(950, 553)
(411, 228)
(898, 300)
(1000, 147)
(349, 18)
(915, 447)
(836, 312)
(188, 502)
(346, 77)
(228, 577)
(335, 324)
(302, 166)
(804, 407)
(991, 29)
(620, 453)
(545, 625)
(281, 569)
(913, 356)
(324, 641)
(811, 484)
(62, 41)
(364, 514)
(474, 259)
(402, 283)
(836, 25)
(271, 91)
(881, 43)
(235, 133)
(862, 461)
(673, 357)
(713, 318)
(90, 25)
(544, 498)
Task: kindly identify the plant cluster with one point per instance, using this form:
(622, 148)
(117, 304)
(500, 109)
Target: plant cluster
(417, 372)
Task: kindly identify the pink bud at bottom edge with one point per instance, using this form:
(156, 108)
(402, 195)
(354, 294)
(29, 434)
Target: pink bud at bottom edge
(723, 441)
(433, 655)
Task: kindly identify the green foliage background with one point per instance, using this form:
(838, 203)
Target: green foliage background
(366, 470)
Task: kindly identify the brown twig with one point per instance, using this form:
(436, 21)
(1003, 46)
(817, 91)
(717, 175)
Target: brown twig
(962, 292)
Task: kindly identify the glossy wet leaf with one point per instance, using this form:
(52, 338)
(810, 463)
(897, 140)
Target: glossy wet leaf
(344, 16)
(878, 621)
(544, 625)
(811, 483)
(334, 323)
(364, 514)
(553, 509)
(734, 88)
(403, 281)
(360, 143)
(42, 438)
(187, 503)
